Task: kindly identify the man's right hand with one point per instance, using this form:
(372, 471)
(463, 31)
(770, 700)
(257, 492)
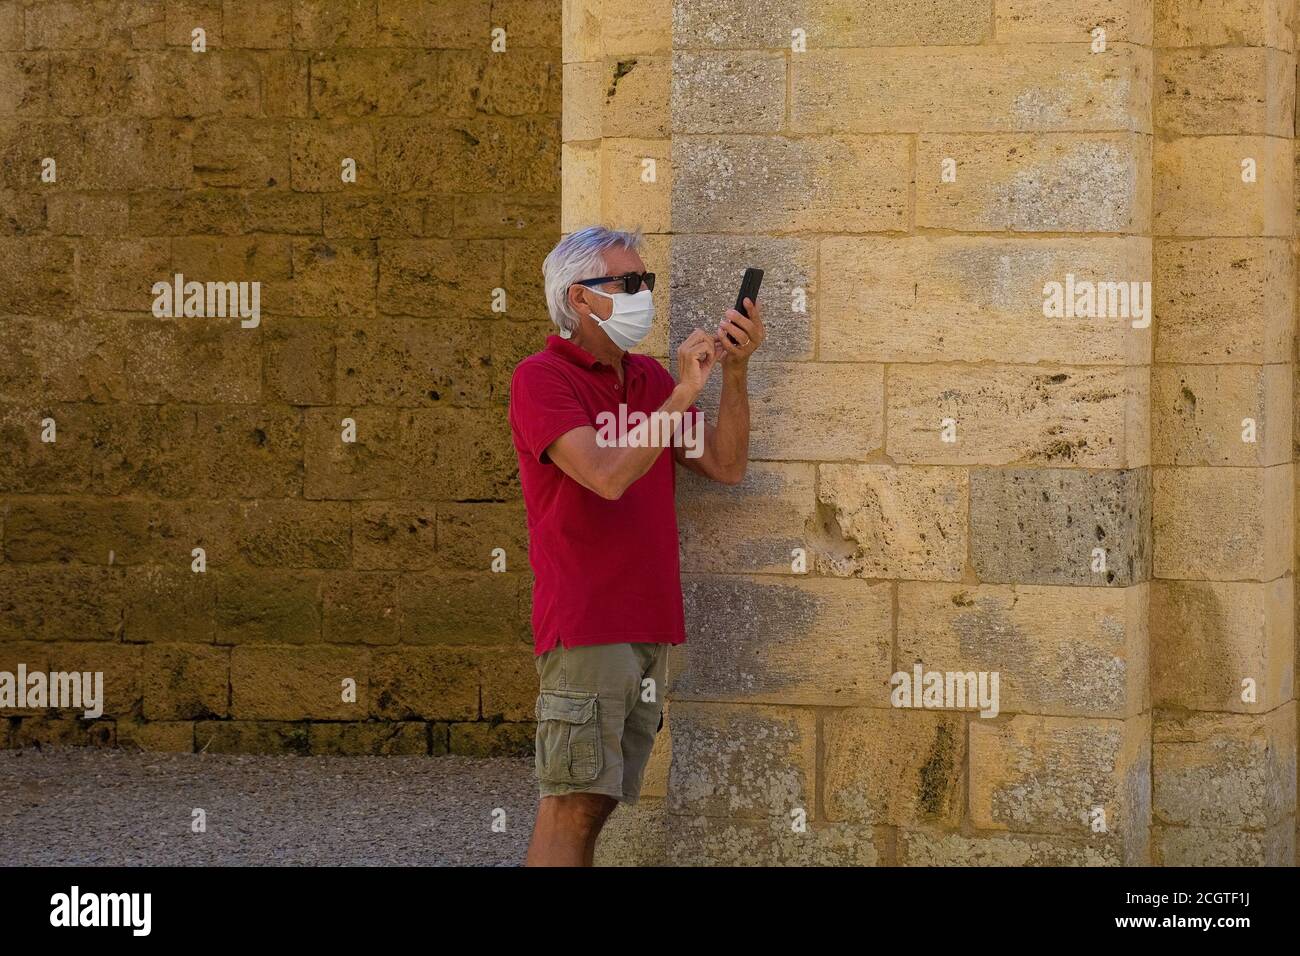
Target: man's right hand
(696, 358)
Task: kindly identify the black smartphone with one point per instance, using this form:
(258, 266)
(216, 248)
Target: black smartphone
(748, 290)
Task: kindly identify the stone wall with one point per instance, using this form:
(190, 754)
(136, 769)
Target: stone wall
(323, 560)
(1069, 500)
(234, 524)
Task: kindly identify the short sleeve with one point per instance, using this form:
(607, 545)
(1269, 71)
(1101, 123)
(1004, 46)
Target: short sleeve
(543, 406)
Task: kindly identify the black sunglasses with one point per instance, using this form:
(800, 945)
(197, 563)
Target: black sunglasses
(631, 281)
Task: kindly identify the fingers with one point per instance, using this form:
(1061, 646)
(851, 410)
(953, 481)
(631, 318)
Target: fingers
(736, 351)
(755, 318)
(694, 342)
(752, 323)
(746, 325)
(746, 330)
(738, 332)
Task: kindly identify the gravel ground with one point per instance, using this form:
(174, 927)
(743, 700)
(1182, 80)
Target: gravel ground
(110, 807)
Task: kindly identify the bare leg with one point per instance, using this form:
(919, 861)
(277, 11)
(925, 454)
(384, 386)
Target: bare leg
(566, 829)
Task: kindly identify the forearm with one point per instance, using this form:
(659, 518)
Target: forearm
(621, 466)
(731, 437)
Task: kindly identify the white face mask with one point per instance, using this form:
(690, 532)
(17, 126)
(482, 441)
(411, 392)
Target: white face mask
(630, 321)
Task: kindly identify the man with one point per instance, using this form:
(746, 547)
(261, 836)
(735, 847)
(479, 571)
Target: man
(607, 597)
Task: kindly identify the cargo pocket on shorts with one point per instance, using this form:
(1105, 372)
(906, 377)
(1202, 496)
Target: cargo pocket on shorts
(568, 736)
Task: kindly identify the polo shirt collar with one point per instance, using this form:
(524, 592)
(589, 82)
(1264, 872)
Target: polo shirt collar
(571, 351)
(576, 354)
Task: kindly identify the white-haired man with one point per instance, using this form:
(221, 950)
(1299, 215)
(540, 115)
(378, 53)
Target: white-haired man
(591, 423)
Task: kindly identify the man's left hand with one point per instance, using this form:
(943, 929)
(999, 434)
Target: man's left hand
(747, 331)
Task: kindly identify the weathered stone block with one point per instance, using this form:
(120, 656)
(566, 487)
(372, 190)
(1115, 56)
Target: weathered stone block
(77, 530)
(120, 665)
(631, 97)
(298, 683)
(1064, 775)
(334, 277)
(119, 273)
(1223, 22)
(185, 681)
(493, 740)
(743, 763)
(35, 657)
(257, 449)
(778, 185)
(766, 24)
(1212, 846)
(327, 23)
(60, 603)
(1221, 415)
(960, 415)
(1046, 182)
(359, 607)
(800, 640)
(706, 88)
(508, 681)
(252, 737)
(156, 736)
(266, 605)
(393, 535)
(922, 848)
(257, 24)
(1247, 535)
(414, 362)
(437, 277)
(894, 767)
(424, 683)
(249, 153)
(1041, 88)
(1224, 90)
(1065, 651)
(469, 536)
(1200, 188)
(709, 841)
(369, 738)
(430, 23)
(371, 467)
(298, 359)
(1045, 525)
(845, 400)
(966, 298)
(318, 149)
(1064, 21)
(754, 526)
(1224, 300)
(63, 732)
(458, 454)
(880, 521)
(1224, 770)
(1208, 638)
(443, 608)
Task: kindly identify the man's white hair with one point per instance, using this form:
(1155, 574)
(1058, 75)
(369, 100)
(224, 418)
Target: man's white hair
(579, 255)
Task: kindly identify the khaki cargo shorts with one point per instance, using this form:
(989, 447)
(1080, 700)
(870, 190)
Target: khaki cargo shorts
(598, 711)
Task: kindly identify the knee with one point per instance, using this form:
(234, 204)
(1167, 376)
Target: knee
(584, 813)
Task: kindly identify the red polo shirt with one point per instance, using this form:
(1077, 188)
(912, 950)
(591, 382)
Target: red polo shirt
(605, 572)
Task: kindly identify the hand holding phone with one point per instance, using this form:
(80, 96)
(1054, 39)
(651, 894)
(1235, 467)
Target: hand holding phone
(748, 290)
